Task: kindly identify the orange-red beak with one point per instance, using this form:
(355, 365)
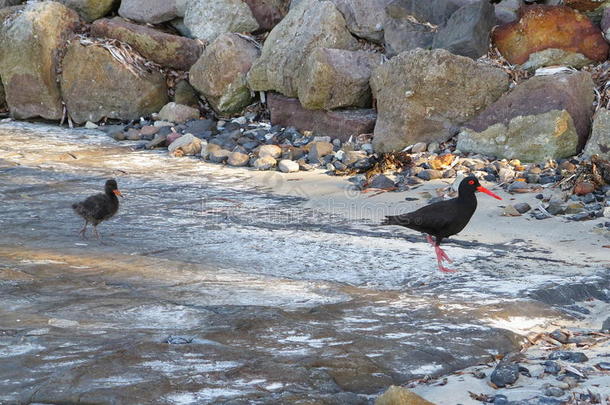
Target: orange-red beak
(486, 191)
(117, 192)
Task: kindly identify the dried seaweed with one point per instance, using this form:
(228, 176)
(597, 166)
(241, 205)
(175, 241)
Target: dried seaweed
(596, 171)
(383, 163)
(601, 78)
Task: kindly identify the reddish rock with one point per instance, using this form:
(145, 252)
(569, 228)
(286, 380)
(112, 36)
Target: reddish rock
(268, 12)
(545, 27)
(583, 187)
(165, 49)
(149, 130)
(340, 124)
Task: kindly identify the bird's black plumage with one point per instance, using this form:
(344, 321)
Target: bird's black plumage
(99, 207)
(444, 218)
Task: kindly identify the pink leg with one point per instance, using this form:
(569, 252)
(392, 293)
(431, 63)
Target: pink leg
(430, 241)
(439, 258)
(443, 254)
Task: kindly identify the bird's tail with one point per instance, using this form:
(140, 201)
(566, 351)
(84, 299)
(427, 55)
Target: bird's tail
(389, 220)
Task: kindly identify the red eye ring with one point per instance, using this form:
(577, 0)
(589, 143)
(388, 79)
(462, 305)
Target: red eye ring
(471, 182)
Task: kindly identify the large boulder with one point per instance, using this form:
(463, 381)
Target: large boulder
(149, 11)
(31, 40)
(599, 141)
(550, 27)
(207, 19)
(530, 138)
(91, 10)
(364, 18)
(95, 85)
(425, 96)
(341, 124)
(405, 27)
(467, 30)
(268, 13)
(220, 74)
(541, 97)
(165, 49)
(335, 78)
(9, 3)
(309, 25)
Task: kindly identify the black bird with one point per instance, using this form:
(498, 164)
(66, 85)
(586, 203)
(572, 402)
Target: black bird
(444, 218)
(99, 207)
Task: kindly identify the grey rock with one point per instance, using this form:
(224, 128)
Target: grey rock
(264, 163)
(542, 117)
(467, 31)
(336, 78)
(573, 357)
(599, 141)
(555, 57)
(415, 104)
(318, 150)
(553, 392)
(364, 18)
(218, 155)
(606, 325)
(148, 11)
(185, 145)
(288, 166)
(552, 367)
(220, 73)
(309, 25)
(505, 374)
(178, 113)
(352, 156)
(522, 208)
(381, 181)
(238, 159)
(208, 19)
(404, 35)
(430, 174)
(270, 150)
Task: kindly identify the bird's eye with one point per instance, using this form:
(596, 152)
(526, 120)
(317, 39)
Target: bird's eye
(471, 182)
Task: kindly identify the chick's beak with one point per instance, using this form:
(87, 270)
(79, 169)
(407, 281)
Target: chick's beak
(117, 192)
(486, 191)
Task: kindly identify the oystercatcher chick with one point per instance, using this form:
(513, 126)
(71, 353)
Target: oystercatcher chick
(98, 207)
(444, 218)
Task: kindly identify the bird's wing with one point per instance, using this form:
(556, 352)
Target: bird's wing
(428, 219)
(97, 206)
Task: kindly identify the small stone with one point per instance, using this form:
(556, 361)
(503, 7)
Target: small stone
(582, 216)
(119, 136)
(367, 147)
(149, 130)
(133, 135)
(238, 159)
(571, 381)
(157, 141)
(505, 374)
(560, 336)
(318, 150)
(556, 207)
(381, 181)
(264, 163)
(288, 166)
(90, 125)
(583, 188)
(186, 145)
(551, 367)
(606, 325)
(506, 174)
(273, 151)
(479, 374)
(519, 187)
(430, 174)
(553, 392)
(603, 366)
(218, 155)
(178, 113)
(419, 147)
(352, 156)
(575, 208)
(500, 400)
(522, 208)
(573, 357)
(510, 211)
(163, 124)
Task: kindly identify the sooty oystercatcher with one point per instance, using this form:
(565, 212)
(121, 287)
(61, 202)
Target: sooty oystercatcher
(99, 207)
(444, 218)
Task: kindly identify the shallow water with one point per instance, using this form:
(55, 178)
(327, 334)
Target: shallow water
(262, 299)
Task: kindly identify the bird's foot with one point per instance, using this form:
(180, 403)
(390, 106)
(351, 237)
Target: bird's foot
(445, 269)
(441, 253)
(82, 233)
(96, 234)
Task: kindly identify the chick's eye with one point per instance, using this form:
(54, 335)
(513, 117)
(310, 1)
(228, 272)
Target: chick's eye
(471, 182)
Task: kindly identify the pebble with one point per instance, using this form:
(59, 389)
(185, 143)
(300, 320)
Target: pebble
(419, 147)
(505, 374)
(273, 151)
(522, 208)
(553, 392)
(574, 208)
(288, 166)
(556, 207)
(430, 174)
(381, 181)
(433, 147)
(163, 124)
(90, 125)
(510, 211)
(552, 367)
(319, 149)
(560, 336)
(264, 163)
(604, 366)
(606, 325)
(218, 155)
(573, 357)
(367, 147)
(238, 159)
